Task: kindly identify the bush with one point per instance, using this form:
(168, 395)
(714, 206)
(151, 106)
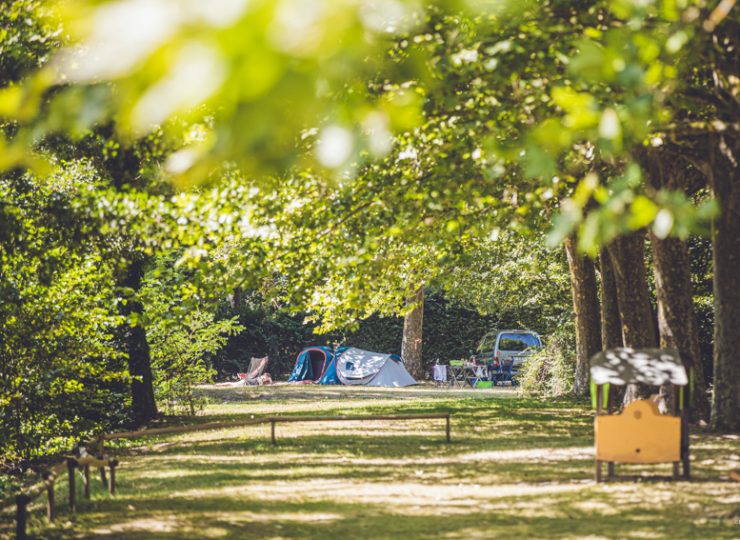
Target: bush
(181, 359)
(550, 372)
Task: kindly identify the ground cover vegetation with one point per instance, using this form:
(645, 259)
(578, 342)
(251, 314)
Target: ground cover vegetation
(220, 182)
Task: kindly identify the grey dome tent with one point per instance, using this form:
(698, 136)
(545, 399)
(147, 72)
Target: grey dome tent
(358, 367)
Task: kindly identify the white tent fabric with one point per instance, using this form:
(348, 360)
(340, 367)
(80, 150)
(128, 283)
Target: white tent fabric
(358, 367)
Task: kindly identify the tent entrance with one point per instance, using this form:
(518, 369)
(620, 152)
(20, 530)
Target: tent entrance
(317, 358)
(311, 364)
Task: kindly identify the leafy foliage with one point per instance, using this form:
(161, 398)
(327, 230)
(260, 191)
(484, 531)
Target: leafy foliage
(183, 341)
(549, 372)
(62, 374)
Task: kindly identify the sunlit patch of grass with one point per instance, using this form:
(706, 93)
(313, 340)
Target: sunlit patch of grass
(516, 468)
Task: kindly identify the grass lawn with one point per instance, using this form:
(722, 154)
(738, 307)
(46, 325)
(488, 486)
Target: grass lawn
(517, 468)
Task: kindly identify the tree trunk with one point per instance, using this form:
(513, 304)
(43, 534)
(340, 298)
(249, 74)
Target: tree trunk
(143, 404)
(677, 324)
(412, 335)
(725, 183)
(676, 317)
(611, 330)
(236, 298)
(633, 295)
(586, 310)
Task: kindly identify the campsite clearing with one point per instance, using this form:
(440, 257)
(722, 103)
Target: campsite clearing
(516, 468)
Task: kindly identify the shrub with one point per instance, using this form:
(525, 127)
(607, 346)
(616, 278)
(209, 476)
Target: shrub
(550, 371)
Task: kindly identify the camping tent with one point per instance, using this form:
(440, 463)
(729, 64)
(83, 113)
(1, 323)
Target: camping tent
(330, 373)
(311, 364)
(358, 367)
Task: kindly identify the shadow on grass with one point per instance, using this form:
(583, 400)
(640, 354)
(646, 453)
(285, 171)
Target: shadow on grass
(575, 515)
(517, 468)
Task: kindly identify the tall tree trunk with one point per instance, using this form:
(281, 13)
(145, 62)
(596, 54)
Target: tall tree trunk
(412, 335)
(143, 404)
(586, 310)
(611, 328)
(627, 254)
(725, 183)
(676, 317)
(677, 324)
(236, 298)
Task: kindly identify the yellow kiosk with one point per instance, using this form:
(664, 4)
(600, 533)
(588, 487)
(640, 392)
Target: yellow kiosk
(640, 433)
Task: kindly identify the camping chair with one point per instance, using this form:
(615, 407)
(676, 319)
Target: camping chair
(457, 373)
(257, 366)
(503, 373)
(439, 374)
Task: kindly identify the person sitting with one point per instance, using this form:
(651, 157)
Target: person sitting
(256, 381)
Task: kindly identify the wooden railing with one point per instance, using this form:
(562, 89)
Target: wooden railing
(272, 420)
(71, 464)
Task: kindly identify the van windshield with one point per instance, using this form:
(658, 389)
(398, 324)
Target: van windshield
(517, 342)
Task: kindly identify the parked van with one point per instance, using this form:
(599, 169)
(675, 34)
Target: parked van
(508, 346)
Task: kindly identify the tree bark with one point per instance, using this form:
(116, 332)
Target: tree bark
(725, 183)
(411, 345)
(611, 330)
(677, 324)
(627, 254)
(586, 310)
(676, 316)
(236, 298)
(143, 404)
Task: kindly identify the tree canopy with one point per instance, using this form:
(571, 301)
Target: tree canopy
(334, 158)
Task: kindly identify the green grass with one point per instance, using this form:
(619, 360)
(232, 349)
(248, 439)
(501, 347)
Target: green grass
(517, 468)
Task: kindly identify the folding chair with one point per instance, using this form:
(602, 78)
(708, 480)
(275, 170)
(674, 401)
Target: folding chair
(257, 366)
(457, 373)
(505, 371)
(440, 375)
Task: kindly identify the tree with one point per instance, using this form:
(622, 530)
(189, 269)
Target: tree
(677, 323)
(627, 253)
(586, 310)
(726, 258)
(611, 327)
(143, 404)
(413, 323)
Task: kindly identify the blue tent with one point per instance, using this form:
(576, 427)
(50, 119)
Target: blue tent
(311, 364)
(330, 373)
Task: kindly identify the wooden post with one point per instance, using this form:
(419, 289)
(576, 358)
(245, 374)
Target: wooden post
(50, 503)
(21, 516)
(272, 430)
(112, 484)
(103, 479)
(685, 444)
(86, 477)
(675, 470)
(610, 466)
(71, 466)
(447, 427)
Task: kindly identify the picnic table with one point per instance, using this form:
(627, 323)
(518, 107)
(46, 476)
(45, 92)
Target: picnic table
(464, 372)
